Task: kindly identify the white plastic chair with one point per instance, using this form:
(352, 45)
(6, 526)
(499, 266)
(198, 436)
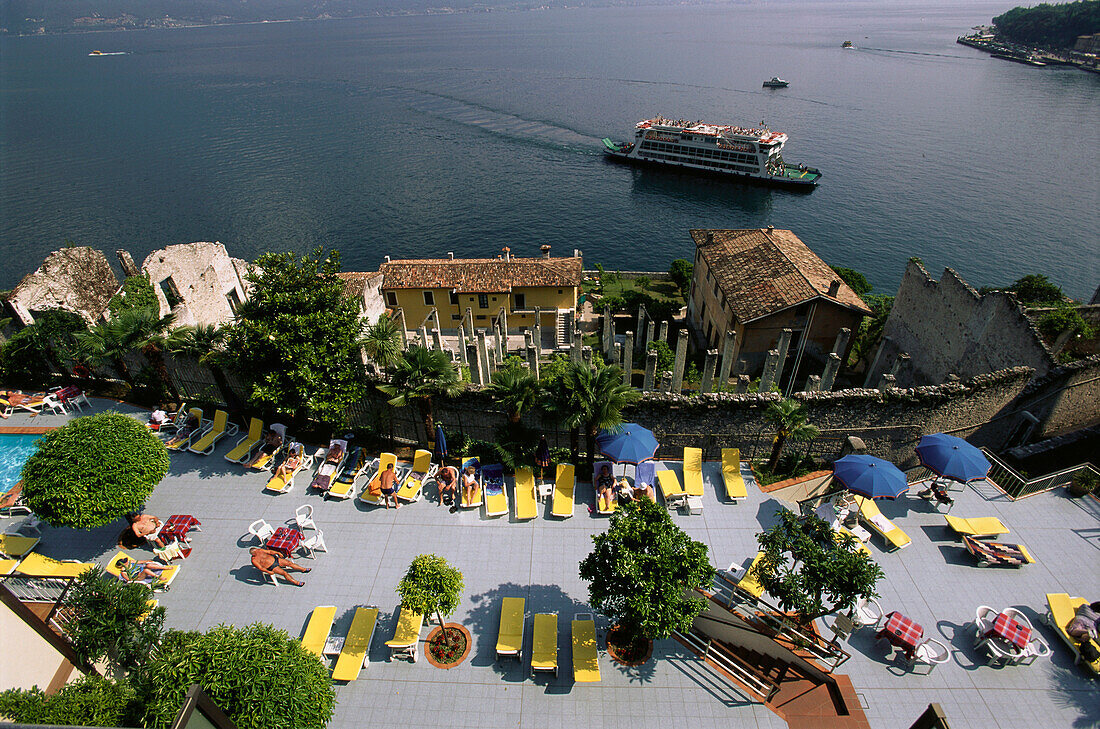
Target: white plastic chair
(303, 517)
(1035, 648)
(931, 653)
(76, 400)
(1019, 617)
(984, 617)
(56, 406)
(997, 654)
(261, 530)
(867, 612)
(314, 544)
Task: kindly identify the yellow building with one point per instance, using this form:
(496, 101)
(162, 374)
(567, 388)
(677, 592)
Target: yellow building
(476, 292)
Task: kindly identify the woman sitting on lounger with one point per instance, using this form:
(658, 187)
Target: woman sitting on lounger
(132, 570)
(272, 441)
(469, 484)
(605, 486)
(287, 468)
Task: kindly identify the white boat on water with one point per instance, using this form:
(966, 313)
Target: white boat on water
(723, 150)
(776, 83)
(108, 53)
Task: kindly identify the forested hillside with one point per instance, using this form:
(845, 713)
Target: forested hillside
(1056, 26)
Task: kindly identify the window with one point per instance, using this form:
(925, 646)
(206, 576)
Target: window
(429, 298)
(494, 298)
(521, 302)
(234, 300)
(482, 302)
(456, 317)
(716, 288)
(454, 298)
(171, 293)
(391, 298)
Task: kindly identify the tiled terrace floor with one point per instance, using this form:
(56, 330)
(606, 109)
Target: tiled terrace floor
(932, 581)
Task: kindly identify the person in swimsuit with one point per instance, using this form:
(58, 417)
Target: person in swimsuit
(271, 562)
(605, 487)
(447, 482)
(132, 570)
(293, 460)
(469, 484)
(272, 441)
(388, 482)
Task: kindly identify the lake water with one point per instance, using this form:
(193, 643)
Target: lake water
(414, 136)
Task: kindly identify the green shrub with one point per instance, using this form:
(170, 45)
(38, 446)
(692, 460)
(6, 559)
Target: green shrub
(1062, 318)
(680, 272)
(93, 470)
(261, 677)
(136, 293)
(855, 280)
(665, 358)
(113, 620)
(88, 701)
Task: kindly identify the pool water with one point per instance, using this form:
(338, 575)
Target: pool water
(14, 452)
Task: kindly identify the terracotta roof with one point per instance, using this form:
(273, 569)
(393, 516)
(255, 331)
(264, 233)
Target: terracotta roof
(481, 275)
(356, 281)
(762, 271)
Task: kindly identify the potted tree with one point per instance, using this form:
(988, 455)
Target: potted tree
(433, 587)
(642, 574)
(1083, 483)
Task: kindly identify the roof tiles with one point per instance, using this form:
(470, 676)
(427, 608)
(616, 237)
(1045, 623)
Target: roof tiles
(762, 271)
(481, 275)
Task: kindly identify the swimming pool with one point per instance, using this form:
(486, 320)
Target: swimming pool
(14, 452)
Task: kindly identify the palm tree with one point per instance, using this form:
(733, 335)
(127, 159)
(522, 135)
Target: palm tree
(206, 343)
(133, 329)
(561, 405)
(789, 418)
(420, 375)
(517, 389)
(599, 396)
(382, 341)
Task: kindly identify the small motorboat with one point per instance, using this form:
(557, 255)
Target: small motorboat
(847, 44)
(776, 83)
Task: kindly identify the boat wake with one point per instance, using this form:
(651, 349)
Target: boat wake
(109, 53)
(491, 120)
(916, 53)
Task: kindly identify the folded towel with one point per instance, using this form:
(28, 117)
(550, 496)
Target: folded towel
(882, 523)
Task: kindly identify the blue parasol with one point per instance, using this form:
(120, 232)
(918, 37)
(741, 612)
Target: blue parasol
(871, 477)
(440, 444)
(952, 457)
(629, 444)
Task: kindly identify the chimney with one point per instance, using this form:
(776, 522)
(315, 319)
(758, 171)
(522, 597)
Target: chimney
(126, 261)
(545, 251)
(834, 287)
(387, 259)
(450, 255)
(710, 237)
(771, 228)
(576, 253)
(507, 253)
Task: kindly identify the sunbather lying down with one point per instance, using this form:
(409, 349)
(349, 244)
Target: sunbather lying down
(132, 570)
(271, 562)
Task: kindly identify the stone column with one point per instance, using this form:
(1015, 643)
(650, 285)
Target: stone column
(828, 377)
(841, 342)
(784, 345)
(483, 358)
(536, 330)
(586, 355)
(887, 382)
(882, 347)
(729, 356)
(503, 321)
(500, 351)
(743, 382)
(680, 363)
(462, 343)
(901, 366)
(533, 360)
(616, 355)
(424, 336)
(650, 371)
(771, 362)
(628, 358)
(437, 338)
(578, 344)
(399, 315)
(662, 331)
(813, 384)
(474, 362)
(650, 328)
(708, 371)
(470, 321)
(608, 334)
(638, 327)
(666, 381)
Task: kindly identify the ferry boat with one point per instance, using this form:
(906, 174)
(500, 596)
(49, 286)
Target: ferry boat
(776, 83)
(754, 154)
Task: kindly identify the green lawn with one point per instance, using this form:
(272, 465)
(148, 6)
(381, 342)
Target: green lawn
(657, 289)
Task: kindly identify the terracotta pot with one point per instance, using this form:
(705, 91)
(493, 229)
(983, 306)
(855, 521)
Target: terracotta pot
(435, 633)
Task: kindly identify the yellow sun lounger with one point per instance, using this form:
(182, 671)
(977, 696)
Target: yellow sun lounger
(422, 469)
(406, 636)
(544, 643)
(372, 492)
(873, 518)
(510, 634)
(356, 651)
(731, 474)
(204, 446)
(985, 526)
(247, 444)
(317, 630)
(860, 546)
(563, 491)
(1061, 609)
(526, 501)
(13, 545)
(7, 566)
(586, 656)
(36, 565)
(479, 491)
(181, 443)
(673, 493)
(280, 484)
(748, 582)
(693, 471)
(167, 576)
(265, 461)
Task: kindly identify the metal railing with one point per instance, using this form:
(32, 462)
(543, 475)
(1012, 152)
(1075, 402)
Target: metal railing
(46, 591)
(718, 655)
(1017, 486)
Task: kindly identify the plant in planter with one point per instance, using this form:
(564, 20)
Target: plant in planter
(641, 575)
(431, 586)
(1083, 483)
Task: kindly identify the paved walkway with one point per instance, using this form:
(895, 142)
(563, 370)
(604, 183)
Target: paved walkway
(933, 581)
